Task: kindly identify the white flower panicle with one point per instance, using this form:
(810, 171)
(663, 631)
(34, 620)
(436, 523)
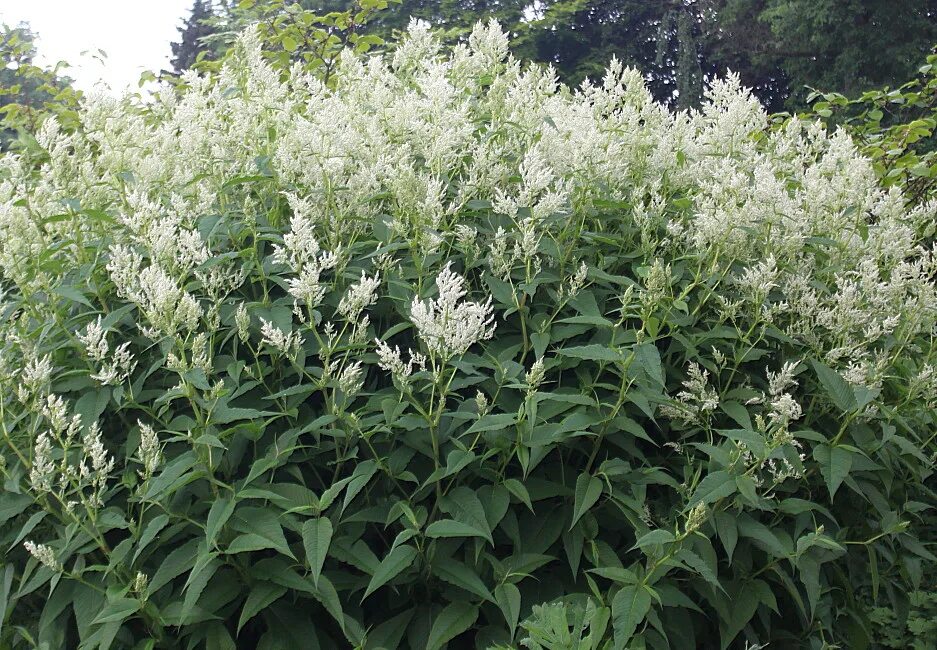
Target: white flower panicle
(168, 307)
(37, 373)
(44, 554)
(535, 375)
(359, 296)
(390, 360)
(697, 400)
(285, 343)
(94, 339)
(96, 464)
(449, 326)
(351, 379)
(42, 473)
(149, 452)
(242, 321)
(303, 255)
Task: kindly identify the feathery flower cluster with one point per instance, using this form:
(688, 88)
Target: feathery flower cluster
(390, 360)
(148, 452)
(283, 342)
(44, 554)
(447, 326)
(302, 254)
(167, 306)
(359, 296)
(114, 370)
(696, 401)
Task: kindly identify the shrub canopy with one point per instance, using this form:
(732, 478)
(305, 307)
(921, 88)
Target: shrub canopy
(448, 354)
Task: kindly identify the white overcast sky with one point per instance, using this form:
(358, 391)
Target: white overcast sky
(135, 34)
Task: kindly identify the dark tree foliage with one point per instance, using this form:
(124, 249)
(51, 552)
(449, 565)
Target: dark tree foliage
(778, 47)
(783, 46)
(198, 26)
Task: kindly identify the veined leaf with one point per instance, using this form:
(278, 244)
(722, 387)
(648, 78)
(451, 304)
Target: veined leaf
(629, 607)
(453, 528)
(317, 534)
(261, 595)
(588, 491)
(452, 621)
(593, 352)
(835, 463)
(508, 597)
(391, 566)
(713, 487)
(456, 573)
(463, 505)
(836, 387)
(659, 536)
(218, 516)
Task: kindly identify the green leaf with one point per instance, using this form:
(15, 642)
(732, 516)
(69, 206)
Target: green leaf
(593, 352)
(518, 489)
(494, 422)
(696, 563)
(261, 595)
(629, 607)
(588, 491)
(396, 561)
(463, 505)
(172, 472)
(659, 536)
(508, 597)
(218, 516)
(648, 358)
(359, 479)
(317, 535)
(452, 621)
(73, 294)
(197, 581)
(713, 487)
(836, 387)
(835, 463)
(176, 563)
(728, 532)
(388, 635)
(261, 531)
(6, 582)
(224, 414)
(458, 574)
(453, 528)
(117, 610)
(745, 604)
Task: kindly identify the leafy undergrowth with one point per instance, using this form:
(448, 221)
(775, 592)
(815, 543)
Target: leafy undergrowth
(443, 354)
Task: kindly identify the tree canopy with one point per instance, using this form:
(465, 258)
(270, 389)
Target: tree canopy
(778, 47)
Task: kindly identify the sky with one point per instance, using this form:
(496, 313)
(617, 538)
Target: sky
(135, 35)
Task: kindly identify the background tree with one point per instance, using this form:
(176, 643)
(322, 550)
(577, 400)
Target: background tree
(311, 33)
(28, 91)
(778, 47)
(783, 46)
(192, 44)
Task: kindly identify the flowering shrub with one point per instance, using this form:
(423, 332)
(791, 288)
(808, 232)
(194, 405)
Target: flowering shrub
(447, 354)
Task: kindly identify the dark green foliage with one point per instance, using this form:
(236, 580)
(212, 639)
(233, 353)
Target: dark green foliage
(192, 46)
(778, 47)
